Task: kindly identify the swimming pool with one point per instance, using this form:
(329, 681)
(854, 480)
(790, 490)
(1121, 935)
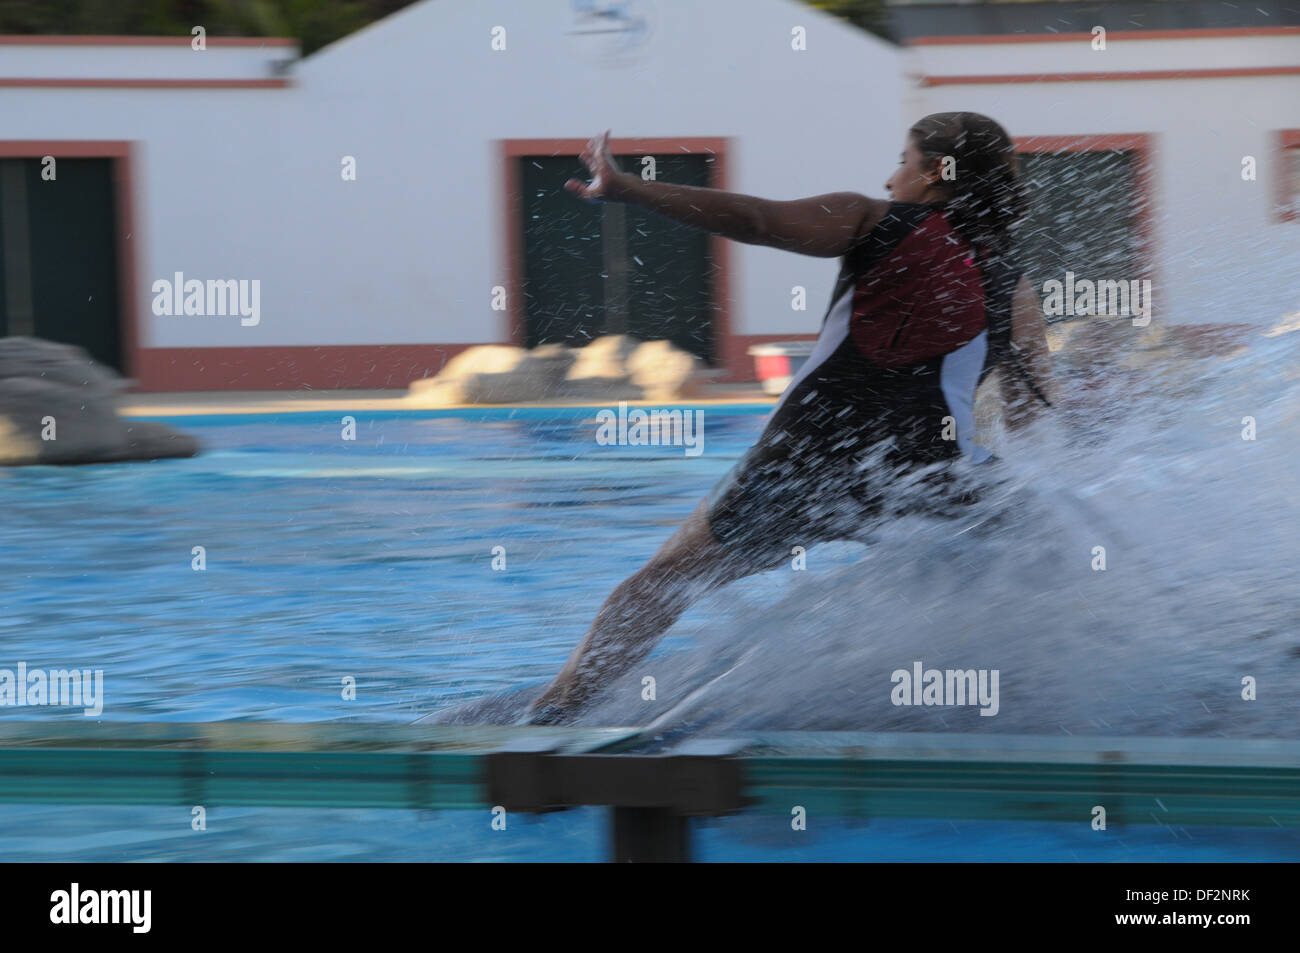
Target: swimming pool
(328, 558)
(377, 559)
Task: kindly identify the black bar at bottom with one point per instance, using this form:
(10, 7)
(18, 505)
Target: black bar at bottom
(650, 835)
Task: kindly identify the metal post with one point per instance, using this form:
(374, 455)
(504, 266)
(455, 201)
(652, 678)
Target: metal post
(650, 835)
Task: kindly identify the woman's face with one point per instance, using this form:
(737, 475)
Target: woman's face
(916, 178)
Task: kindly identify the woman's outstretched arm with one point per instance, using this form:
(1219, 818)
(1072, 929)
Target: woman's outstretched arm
(824, 226)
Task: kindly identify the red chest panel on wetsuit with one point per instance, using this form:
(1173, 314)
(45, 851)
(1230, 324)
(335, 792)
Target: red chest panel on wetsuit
(924, 299)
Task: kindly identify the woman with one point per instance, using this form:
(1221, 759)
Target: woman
(928, 301)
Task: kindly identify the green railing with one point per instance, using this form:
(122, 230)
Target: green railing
(653, 789)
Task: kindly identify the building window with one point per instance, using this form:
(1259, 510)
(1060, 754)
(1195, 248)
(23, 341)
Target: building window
(1089, 209)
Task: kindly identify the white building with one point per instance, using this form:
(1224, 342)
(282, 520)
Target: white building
(461, 118)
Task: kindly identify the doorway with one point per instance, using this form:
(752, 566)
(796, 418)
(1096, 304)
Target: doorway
(587, 269)
(59, 260)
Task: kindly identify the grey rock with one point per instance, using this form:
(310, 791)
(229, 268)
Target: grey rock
(51, 389)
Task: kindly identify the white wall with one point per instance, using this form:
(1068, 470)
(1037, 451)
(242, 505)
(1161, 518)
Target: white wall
(246, 183)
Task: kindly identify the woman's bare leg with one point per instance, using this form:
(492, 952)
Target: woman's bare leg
(643, 607)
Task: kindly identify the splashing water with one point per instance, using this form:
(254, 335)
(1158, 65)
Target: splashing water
(1198, 591)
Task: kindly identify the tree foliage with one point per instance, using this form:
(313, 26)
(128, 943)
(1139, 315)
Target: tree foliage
(313, 22)
(872, 15)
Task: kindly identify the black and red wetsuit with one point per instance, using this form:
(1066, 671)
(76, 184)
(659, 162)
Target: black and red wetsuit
(917, 319)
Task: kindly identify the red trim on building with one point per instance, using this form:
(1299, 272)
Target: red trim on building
(730, 357)
(1098, 142)
(1199, 33)
(144, 83)
(64, 148)
(746, 341)
(225, 42)
(15, 39)
(121, 154)
(1287, 139)
(1127, 75)
(370, 366)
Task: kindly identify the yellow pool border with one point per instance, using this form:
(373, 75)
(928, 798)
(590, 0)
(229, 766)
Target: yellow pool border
(189, 403)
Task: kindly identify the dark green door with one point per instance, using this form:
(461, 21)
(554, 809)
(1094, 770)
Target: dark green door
(58, 255)
(1083, 217)
(594, 269)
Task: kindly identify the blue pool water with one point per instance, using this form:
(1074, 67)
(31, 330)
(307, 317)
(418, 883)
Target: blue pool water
(373, 559)
(328, 558)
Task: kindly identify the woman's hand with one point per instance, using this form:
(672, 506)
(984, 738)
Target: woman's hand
(600, 165)
(825, 226)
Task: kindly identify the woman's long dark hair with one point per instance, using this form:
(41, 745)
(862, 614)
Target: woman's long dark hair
(987, 195)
